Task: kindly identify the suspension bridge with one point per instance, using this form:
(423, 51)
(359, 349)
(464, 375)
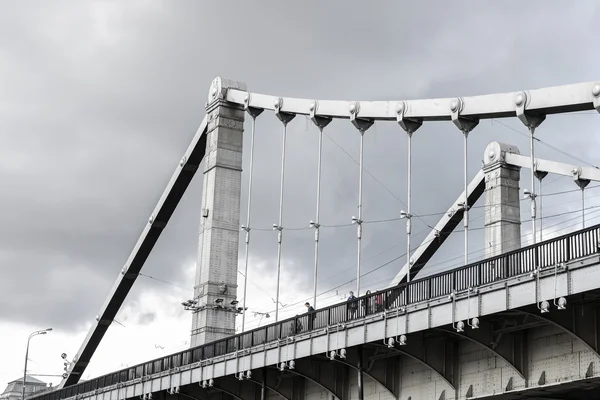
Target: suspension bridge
(521, 323)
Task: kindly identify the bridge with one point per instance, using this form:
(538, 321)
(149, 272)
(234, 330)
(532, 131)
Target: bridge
(521, 323)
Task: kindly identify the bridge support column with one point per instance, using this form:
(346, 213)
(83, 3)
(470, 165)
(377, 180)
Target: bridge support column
(502, 205)
(216, 274)
(360, 376)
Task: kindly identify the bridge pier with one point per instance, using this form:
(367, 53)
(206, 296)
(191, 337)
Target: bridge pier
(502, 201)
(216, 275)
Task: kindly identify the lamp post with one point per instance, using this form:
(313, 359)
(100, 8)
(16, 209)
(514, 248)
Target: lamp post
(27, 356)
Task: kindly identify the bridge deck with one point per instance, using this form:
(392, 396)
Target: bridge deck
(563, 249)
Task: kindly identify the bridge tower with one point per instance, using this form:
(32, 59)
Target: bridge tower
(502, 201)
(215, 288)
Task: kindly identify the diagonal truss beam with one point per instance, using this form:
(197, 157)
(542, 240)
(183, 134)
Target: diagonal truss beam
(442, 230)
(158, 220)
(449, 221)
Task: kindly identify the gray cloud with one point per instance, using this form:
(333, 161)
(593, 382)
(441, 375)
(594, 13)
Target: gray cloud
(100, 100)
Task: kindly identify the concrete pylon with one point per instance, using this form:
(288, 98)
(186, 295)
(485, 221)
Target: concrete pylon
(216, 273)
(502, 200)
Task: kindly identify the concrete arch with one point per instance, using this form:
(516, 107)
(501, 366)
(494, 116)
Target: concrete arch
(303, 369)
(230, 393)
(441, 362)
(189, 395)
(364, 371)
(271, 388)
(511, 349)
(580, 321)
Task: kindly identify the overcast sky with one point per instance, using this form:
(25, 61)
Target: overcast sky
(99, 100)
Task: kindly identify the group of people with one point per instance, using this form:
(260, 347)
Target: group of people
(369, 305)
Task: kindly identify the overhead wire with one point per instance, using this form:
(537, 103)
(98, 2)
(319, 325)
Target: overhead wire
(427, 242)
(563, 152)
(421, 216)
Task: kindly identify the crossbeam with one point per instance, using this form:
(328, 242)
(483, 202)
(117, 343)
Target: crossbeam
(555, 167)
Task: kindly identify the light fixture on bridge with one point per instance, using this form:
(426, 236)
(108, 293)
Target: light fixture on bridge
(527, 194)
(391, 342)
(562, 303)
(533, 273)
(244, 375)
(173, 390)
(404, 214)
(191, 305)
(544, 307)
(218, 301)
(234, 302)
(208, 383)
(402, 340)
(460, 326)
(474, 324)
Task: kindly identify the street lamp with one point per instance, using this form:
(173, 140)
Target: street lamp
(27, 356)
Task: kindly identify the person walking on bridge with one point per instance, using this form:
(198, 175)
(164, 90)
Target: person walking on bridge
(312, 314)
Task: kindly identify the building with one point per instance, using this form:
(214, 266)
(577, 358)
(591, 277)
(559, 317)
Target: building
(14, 389)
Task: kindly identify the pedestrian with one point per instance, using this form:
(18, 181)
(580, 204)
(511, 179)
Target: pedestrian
(312, 314)
(367, 303)
(352, 305)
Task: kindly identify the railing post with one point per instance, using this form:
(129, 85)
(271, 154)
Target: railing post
(429, 288)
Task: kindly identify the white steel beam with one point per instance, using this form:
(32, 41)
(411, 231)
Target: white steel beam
(554, 167)
(550, 100)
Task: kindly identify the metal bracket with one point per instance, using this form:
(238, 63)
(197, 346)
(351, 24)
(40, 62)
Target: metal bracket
(253, 111)
(596, 94)
(581, 182)
(528, 119)
(465, 124)
(319, 120)
(362, 124)
(409, 125)
(283, 116)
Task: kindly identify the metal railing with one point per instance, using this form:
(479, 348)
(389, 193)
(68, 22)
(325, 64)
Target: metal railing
(522, 261)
